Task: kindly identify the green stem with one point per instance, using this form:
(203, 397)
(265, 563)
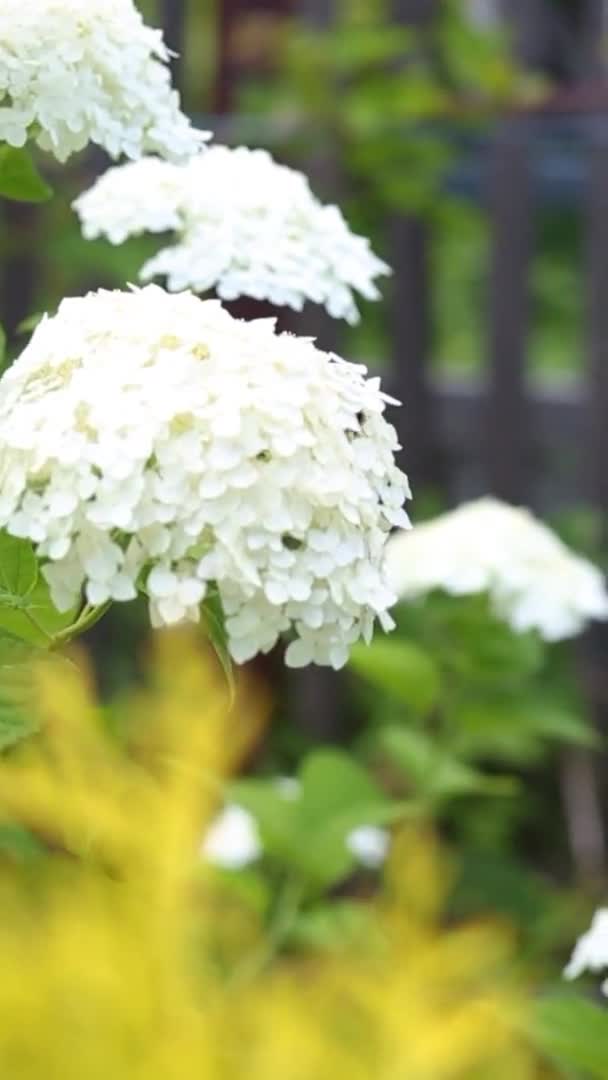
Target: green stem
(285, 913)
(87, 618)
(38, 627)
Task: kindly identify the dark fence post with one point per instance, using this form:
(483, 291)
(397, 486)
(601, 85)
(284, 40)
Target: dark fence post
(323, 169)
(173, 20)
(20, 265)
(507, 423)
(316, 695)
(411, 337)
(597, 316)
(595, 480)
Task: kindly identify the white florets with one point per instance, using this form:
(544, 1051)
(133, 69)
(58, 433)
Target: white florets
(591, 950)
(150, 440)
(79, 71)
(534, 581)
(233, 839)
(246, 226)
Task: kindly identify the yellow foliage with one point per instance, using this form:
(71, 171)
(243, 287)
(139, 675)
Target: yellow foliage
(120, 960)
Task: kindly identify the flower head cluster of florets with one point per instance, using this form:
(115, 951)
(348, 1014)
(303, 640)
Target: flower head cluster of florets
(246, 226)
(151, 441)
(533, 580)
(79, 71)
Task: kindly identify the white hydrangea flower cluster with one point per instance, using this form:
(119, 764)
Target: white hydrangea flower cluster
(153, 440)
(591, 950)
(233, 839)
(246, 226)
(79, 71)
(533, 579)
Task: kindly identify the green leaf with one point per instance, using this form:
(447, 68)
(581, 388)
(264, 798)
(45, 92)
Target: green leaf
(36, 606)
(274, 813)
(334, 784)
(573, 1031)
(306, 832)
(336, 925)
(401, 669)
(17, 719)
(213, 618)
(18, 569)
(337, 795)
(433, 772)
(19, 178)
(518, 730)
(30, 322)
(19, 844)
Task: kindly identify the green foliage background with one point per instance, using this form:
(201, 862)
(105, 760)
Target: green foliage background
(453, 719)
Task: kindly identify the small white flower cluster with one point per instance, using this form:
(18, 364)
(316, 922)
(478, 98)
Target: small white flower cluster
(246, 226)
(153, 441)
(79, 71)
(591, 950)
(233, 840)
(534, 581)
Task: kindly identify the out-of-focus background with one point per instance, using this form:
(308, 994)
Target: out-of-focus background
(469, 140)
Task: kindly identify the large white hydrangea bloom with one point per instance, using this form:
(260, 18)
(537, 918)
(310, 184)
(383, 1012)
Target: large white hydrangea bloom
(79, 71)
(246, 226)
(533, 579)
(591, 950)
(151, 439)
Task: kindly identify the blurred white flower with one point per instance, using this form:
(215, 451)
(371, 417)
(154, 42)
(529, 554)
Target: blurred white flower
(534, 581)
(232, 840)
(369, 844)
(79, 71)
(151, 440)
(246, 226)
(591, 950)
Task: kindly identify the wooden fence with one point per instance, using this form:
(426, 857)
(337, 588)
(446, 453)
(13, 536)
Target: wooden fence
(498, 433)
(547, 447)
(543, 446)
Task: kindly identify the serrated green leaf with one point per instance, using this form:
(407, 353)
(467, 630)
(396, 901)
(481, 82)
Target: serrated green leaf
(19, 178)
(213, 619)
(401, 669)
(17, 719)
(333, 783)
(337, 795)
(518, 731)
(432, 771)
(573, 1031)
(18, 569)
(275, 815)
(306, 832)
(39, 606)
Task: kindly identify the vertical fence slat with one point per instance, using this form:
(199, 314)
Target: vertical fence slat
(20, 266)
(411, 347)
(507, 422)
(173, 19)
(411, 333)
(315, 694)
(597, 320)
